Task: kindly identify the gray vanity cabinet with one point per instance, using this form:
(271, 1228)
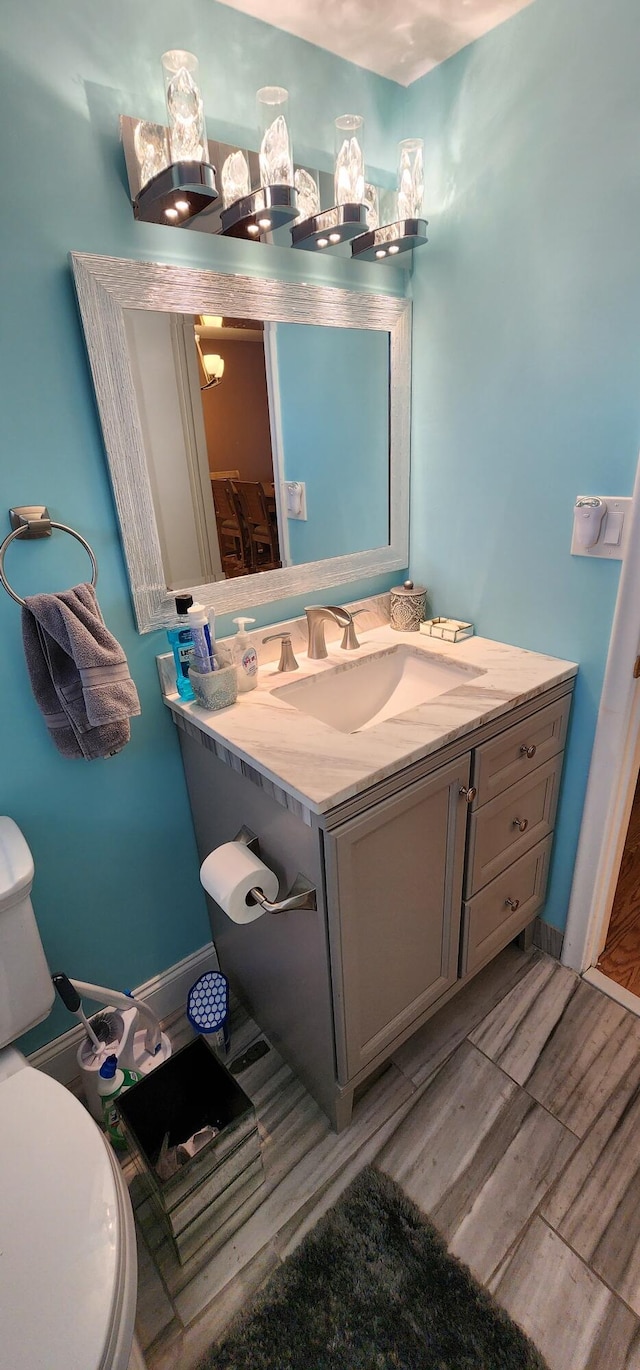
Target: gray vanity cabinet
(420, 881)
(394, 877)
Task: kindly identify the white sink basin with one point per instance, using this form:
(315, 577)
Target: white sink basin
(368, 690)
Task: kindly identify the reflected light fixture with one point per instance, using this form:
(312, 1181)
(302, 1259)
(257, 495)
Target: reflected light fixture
(409, 230)
(177, 181)
(212, 365)
(348, 216)
(250, 213)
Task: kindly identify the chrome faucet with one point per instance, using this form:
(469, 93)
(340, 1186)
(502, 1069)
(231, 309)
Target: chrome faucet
(317, 614)
(287, 659)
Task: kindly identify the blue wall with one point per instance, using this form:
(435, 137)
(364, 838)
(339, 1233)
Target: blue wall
(526, 382)
(117, 894)
(334, 439)
(526, 378)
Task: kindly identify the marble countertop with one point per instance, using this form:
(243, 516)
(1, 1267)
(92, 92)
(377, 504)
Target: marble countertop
(321, 766)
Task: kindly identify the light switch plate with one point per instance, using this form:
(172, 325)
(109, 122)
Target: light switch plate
(295, 499)
(614, 524)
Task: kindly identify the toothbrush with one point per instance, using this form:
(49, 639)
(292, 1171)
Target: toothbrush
(71, 1000)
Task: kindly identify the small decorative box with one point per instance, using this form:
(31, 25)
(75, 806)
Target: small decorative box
(449, 629)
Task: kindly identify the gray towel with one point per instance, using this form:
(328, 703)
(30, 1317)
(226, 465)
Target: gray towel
(79, 673)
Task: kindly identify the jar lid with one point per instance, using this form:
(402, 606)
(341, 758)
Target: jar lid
(409, 590)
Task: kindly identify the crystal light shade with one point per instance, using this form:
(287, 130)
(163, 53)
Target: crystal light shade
(349, 168)
(236, 182)
(410, 178)
(371, 200)
(187, 133)
(150, 147)
(276, 155)
(307, 193)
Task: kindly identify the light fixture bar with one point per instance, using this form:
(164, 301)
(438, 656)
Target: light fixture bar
(329, 228)
(261, 212)
(177, 194)
(388, 241)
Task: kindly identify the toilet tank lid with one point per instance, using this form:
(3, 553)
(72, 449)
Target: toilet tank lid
(16, 863)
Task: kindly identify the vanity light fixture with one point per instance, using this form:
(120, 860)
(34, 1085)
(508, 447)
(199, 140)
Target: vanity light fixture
(176, 194)
(385, 243)
(348, 216)
(260, 212)
(409, 230)
(177, 181)
(255, 212)
(329, 227)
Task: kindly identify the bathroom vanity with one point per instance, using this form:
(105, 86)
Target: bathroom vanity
(427, 836)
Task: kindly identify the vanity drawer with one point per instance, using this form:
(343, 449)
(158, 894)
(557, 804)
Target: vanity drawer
(495, 916)
(512, 823)
(518, 751)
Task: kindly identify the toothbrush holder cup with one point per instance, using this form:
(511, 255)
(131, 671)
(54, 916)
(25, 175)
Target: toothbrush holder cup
(215, 689)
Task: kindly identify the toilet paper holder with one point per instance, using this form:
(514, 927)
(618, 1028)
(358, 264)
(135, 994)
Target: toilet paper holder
(302, 895)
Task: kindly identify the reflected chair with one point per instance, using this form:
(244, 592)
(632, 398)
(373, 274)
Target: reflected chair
(260, 528)
(235, 547)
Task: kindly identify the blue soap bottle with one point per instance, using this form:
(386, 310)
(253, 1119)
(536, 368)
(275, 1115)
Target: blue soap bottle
(181, 642)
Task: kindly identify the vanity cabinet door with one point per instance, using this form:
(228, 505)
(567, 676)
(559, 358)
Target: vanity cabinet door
(394, 894)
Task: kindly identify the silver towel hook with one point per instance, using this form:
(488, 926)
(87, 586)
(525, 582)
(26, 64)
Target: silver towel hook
(32, 521)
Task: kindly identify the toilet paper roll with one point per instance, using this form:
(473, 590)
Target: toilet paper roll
(228, 874)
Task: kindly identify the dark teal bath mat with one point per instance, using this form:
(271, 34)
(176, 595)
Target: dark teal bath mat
(373, 1287)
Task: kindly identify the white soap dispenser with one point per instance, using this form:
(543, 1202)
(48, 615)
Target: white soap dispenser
(245, 657)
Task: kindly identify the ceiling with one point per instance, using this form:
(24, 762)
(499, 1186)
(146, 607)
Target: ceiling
(399, 41)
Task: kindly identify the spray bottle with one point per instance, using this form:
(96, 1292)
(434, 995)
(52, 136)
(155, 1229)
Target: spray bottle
(245, 657)
(111, 1084)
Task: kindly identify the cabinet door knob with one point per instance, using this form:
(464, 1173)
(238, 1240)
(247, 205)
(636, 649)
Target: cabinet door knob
(528, 751)
(512, 904)
(469, 794)
(521, 823)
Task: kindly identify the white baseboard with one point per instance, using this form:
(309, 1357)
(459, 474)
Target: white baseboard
(165, 994)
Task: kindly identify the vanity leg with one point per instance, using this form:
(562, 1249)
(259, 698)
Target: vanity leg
(340, 1117)
(525, 939)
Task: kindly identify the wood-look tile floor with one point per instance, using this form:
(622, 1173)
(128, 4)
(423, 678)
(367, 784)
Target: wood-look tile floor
(512, 1119)
(620, 959)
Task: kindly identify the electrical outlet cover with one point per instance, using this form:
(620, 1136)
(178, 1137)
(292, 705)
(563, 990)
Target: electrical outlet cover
(614, 530)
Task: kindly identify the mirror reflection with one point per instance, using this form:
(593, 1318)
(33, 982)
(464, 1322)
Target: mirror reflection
(267, 444)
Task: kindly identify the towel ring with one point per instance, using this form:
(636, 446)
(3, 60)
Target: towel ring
(24, 531)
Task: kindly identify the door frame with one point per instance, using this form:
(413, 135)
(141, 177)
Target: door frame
(277, 442)
(613, 770)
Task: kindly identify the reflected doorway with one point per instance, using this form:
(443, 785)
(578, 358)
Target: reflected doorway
(237, 433)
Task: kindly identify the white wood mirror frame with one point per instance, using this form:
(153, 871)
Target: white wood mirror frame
(106, 286)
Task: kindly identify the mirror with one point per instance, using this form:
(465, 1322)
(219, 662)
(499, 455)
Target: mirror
(258, 446)
(256, 431)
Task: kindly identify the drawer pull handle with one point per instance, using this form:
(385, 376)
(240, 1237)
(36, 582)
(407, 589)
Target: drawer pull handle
(528, 751)
(513, 904)
(469, 794)
(521, 823)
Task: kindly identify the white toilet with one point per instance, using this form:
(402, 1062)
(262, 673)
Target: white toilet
(68, 1270)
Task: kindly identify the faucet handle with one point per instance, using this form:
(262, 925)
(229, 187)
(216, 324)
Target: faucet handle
(287, 660)
(349, 640)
